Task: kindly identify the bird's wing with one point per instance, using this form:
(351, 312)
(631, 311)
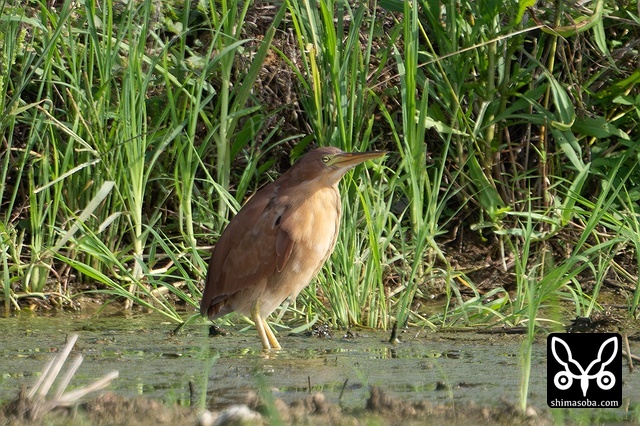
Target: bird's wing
(284, 247)
(251, 247)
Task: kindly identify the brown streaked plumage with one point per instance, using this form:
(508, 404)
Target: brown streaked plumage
(279, 240)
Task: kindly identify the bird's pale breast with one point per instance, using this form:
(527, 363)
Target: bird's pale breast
(314, 236)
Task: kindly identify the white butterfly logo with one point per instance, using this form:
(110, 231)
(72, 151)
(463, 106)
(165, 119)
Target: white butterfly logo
(564, 379)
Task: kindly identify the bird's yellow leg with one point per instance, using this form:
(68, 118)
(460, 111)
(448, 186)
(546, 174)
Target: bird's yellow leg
(260, 325)
(272, 338)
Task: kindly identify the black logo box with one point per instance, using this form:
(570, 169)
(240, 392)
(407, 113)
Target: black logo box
(584, 370)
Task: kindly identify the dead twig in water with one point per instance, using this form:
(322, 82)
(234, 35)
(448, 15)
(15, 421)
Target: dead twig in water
(628, 353)
(34, 405)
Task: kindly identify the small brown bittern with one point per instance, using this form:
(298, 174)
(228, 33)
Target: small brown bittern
(279, 240)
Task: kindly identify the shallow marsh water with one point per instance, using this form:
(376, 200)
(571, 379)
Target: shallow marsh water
(438, 367)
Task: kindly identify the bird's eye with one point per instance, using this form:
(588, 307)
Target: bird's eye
(326, 159)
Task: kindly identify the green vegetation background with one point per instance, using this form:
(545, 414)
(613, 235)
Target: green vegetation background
(130, 132)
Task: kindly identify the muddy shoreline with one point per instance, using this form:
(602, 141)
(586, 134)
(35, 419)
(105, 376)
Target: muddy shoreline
(380, 408)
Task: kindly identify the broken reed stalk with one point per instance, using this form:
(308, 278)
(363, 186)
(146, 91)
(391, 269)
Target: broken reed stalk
(35, 404)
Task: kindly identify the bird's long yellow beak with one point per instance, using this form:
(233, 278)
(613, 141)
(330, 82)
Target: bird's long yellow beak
(351, 159)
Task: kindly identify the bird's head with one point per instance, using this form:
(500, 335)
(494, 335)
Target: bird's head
(329, 164)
